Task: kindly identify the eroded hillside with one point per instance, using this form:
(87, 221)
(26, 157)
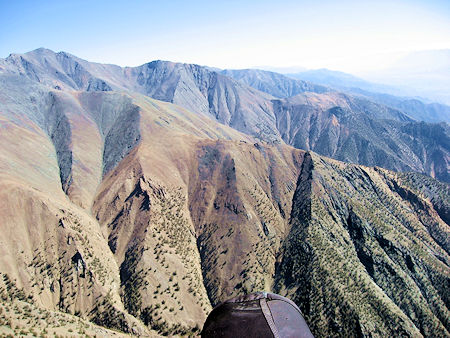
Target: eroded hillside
(139, 215)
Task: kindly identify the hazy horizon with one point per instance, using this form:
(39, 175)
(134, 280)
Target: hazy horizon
(349, 36)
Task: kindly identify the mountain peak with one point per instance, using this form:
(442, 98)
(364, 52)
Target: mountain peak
(41, 51)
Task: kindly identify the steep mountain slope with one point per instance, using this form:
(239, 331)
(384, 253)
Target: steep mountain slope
(142, 207)
(354, 130)
(21, 317)
(139, 215)
(52, 248)
(85, 135)
(366, 255)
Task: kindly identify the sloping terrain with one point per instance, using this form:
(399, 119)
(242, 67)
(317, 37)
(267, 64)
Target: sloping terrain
(84, 138)
(20, 317)
(139, 215)
(324, 80)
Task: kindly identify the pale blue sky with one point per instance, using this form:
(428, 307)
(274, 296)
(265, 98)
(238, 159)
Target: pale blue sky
(345, 35)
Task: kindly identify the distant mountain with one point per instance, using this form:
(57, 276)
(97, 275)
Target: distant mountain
(139, 215)
(282, 86)
(416, 108)
(355, 130)
(426, 73)
(272, 83)
(323, 80)
(281, 70)
(391, 96)
(341, 80)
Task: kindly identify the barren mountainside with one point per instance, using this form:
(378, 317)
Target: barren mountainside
(235, 103)
(139, 215)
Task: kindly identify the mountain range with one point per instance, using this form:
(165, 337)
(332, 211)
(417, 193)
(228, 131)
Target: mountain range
(242, 105)
(136, 199)
(419, 108)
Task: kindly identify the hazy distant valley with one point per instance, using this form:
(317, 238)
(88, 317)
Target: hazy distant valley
(136, 199)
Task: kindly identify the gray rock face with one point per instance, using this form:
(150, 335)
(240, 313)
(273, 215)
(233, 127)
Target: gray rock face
(210, 93)
(105, 108)
(20, 96)
(97, 85)
(122, 137)
(59, 130)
